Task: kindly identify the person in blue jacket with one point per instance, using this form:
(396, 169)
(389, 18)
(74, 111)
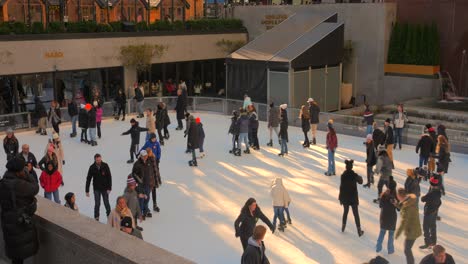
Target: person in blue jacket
(154, 145)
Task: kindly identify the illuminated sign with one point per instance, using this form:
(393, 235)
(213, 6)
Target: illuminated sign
(53, 55)
(272, 20)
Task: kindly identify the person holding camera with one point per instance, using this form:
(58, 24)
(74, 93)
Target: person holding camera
(17, 200)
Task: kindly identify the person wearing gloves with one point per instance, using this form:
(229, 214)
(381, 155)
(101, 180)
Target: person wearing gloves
(247, 219)
(281, 200)
(332, 144)
(283, 134)
(349, 195)
(273, 123)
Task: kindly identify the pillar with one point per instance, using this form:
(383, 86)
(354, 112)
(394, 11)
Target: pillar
(130, 77)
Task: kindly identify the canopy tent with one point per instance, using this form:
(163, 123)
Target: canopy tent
(278, 65)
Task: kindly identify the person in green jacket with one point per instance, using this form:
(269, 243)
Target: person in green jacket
(409, 224)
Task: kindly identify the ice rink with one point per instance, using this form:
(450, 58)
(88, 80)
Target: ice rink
(199, 205)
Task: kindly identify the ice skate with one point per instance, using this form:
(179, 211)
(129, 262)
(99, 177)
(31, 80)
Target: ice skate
(270, 144)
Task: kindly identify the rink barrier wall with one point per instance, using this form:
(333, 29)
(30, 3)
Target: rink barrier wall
(344, 124)
(67, 237)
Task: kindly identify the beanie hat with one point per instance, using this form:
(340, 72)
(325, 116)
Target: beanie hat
(126, 222)
(88, 107)
(55, 135)
(197, 120)
(330, 123)
(378, 260)
(131, 180)
(434, 181)
(369, 137)
(15, 164)
(428, 126)
(283, 106)
(310, 100)
(132, 120)
(143, 153)
(349, 164)
(9, 130)
(152, 135)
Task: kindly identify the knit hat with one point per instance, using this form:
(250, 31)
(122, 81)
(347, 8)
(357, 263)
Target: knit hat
(434, 181)
(126, 222)
(55, 135)
(428, 126)
(152, 135)
(131, 180)
(310, 100)
(369, 137)
(50, 148)
(15, 164)
(283, 106)
(9, 130)
(132, 120)
(143, 153)
(197, 120)
(378, 260)
(349, 164)
(330, 123)
(88, 107)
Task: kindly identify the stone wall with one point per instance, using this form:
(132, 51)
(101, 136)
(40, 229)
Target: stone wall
(397, 89)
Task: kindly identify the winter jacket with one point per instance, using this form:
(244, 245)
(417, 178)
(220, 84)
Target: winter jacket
(154, 146)
(444, 157)
(151, 124)
(201, 132)
(348, 188)
(409, 223)
(83, 118)
(54, 115)
(11, 147)
(159, 118)
(254, 253)
(429, 259)
(39, 108)
(50, 180)
(115, 218)
(72, 109)
(314, 111)
(279, 194)
(143, 172)
(131, 197)
(371, 157)
(46, 159)
(400, 119)
(20, 239)
(246, 222)
(253, 117)
(99, 114)
(30, 158)
(378, 136)
(273, 117)
(193, 136)
(138, 95)
(388, 135)
(243, 122)
(121, 100)
(332, 141)
(283, 133)
(305, 124)
(101, 176)
(167, 120)
(368, 118)
(388, 214)
(181, 106)
(433, 136)
(33, 174)
(432, 201)
(92, 118)
(384, 167)
(234, 127)
(134, 132)
(425, 146)
(412, 185)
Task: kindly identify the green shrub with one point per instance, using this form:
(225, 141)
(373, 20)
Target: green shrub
(141, 26)
(162, 25)
(116, 26)
(56, 27)
(81, 27)
(37, 28)
(103, 27)
(178, 26)
(19, 28)
(4, 28)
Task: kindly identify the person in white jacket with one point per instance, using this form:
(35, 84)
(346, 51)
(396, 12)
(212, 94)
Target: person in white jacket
(281, 201)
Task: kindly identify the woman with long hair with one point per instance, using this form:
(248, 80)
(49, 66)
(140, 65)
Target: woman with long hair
(332, 144)
(54, 116)
(247, 220)
(120, 211)
(253, 117)
(155, 182)
(304, 115)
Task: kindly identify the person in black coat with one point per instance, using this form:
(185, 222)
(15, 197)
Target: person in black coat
(412, 183)
(99, 172)
(55, 116)
(247, 219)
(349, 195)
(234, 130)
(378, 136)
(389, 139)
(371, 160)
(10, 144)
(134, 133)
(27, 156)
(304, 115)
(283, 134)
(439, 256)
(193, 140)
(425, 147)
(18, 205)
(167, 121)
(388, 217)
(160, 119)
(121, 101)
(73, 113)
(253, 128)
(83, 124)
(139, 98)
(92, 126)
(255, 251)
(314, 111)
(432, 202)
(181, 108)
(41, 115)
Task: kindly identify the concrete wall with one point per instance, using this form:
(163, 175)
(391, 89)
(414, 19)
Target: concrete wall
(397, 89)
(367, 25)
(68, 237)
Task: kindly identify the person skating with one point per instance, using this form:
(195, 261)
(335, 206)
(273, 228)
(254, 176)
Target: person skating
(247, 219)
(121, 101)
(424, 148)
(314, 111)
(304, 115)
(443, 152)
(92, 123)
(151, 125)
(50, 156)
(438, 256)
(27, 156)
(70, 201)
(99, 172)
(281, 201)
(412, 183)
(368, 119)
(349, 195)
(400, 119)
(56, 144)
(234, 130)
(431, 164)
(247, 102)
(99, 112)
(134, 133)
(17, 198)
(273, 123)
(383, 167)
(73, 113)
(388, 217)
(243, 122)
(10, 144)
(409, 224)
(253, 116)
(142, 171)
(139, 98)
(201, 136)
(41, 114)
(181, 108)
(126, 226)
(154, 145)
(371, 160)
(189, 119)
(120, 211)
(152, 182)
(389, 140)
(332, 145)
(254, 253)
(193, 141)
(378, 136)
(283, 134)
(132, 199)
(432, 202)
(54, 116)
(50, 180)
(167, 121)
(83, 122)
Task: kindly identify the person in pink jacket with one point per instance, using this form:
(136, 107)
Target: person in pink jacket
(98, 117)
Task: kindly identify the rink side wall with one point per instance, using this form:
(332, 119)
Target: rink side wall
(67, 237)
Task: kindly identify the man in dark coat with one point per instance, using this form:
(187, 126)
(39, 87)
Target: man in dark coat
(439, 256)
(134, 133)
(160, 120)
(255, 251)
(100, 173)
(181, 108)
(27, 156)
(314, 111)
(431, 207)
(349, 195)
(17, 200)
(389, 139)
(73, 113)
(388, 217)
(371, 160)
(142, 173)
(41, 115)
(83, 123)
(425, 147)
(193, 140)
(378, 136)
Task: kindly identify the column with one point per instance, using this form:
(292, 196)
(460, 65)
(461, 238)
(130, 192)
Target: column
(130, 77)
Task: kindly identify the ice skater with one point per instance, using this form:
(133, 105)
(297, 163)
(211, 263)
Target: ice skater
(273, 123)
(234, 130)
(283, 134)
(134, 133)
(193, 141)
(349, 195)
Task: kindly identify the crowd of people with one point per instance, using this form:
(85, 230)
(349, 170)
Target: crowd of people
(132, 206)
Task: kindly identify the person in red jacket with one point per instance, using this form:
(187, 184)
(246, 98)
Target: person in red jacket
(332, 144)
(50, 180)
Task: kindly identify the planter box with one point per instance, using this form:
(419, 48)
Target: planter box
(411, 69)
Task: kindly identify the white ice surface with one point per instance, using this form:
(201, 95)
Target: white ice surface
(199, 205)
